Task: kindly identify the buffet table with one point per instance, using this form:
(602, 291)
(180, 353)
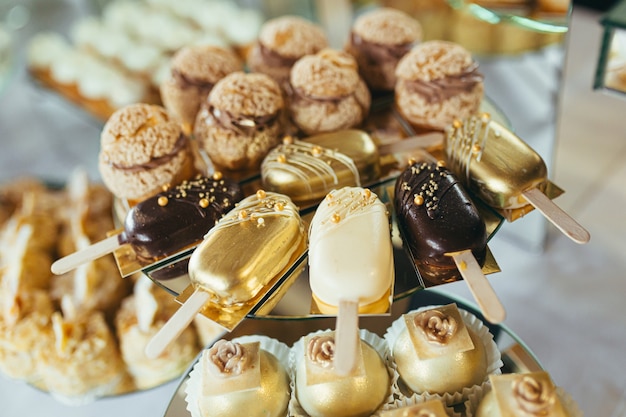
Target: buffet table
(564, 300)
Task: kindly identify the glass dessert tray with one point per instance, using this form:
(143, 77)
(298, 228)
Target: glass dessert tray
(520, 13)
(290, 297)
(516, 356)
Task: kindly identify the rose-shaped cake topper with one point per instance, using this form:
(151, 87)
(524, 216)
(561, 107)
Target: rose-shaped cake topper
(534, 396)
(437, 326)
(227, 358)
(321, 350)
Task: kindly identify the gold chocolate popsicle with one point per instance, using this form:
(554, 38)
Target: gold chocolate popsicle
(245, 253)
(306, 170)
(503, 170)
(248, 248)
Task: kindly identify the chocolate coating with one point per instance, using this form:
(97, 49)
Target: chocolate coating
(179, 216)
(436, 216)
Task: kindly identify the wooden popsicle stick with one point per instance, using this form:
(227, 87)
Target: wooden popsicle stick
(563, 221)
(176, 324)
(88, 254)
(346, 337)
(479, 286)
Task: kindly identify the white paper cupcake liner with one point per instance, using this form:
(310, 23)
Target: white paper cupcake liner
(378, 343)
(408, 401)
(494, 361)
(277, 348)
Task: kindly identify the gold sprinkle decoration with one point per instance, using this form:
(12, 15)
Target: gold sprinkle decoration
(260, 194)
(411, 161)
(336, 218)
(476, 148)
(317, 151)
(204, 203)
(418, 200)
(367, 193)
(243, 214)
(280, 206)
(441, 163)
(288, 140)
(162, 201)
(281, 158)
(457, 124)
(217, 175)
(485, 117)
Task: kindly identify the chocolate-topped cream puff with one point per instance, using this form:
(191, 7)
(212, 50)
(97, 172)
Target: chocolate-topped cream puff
(194, 70)
(241, 120)
(378, 40)
(281, 42)
(143, 149)
(437, 82)
(326, 92)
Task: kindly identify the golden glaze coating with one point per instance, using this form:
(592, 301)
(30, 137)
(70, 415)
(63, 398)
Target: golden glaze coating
(269, 399)
(439, 367)
(249, 247)
(493, 162)
(306, 170)
(355, 395)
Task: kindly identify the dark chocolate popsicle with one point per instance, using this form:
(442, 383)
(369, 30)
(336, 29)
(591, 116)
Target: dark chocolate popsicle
(165, 223)
(437, 217)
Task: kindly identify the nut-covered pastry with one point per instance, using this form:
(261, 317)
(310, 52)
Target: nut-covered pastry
(241, 120)
(437, 82)
(531, 394)
(281, 42)
(437, 353)
(194, 70)
(141, 315)
(326, 92)
(378, 40)
(235, 378)
(323, 393)
(142, 149)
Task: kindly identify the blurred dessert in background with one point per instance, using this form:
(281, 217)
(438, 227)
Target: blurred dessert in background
(123, 56)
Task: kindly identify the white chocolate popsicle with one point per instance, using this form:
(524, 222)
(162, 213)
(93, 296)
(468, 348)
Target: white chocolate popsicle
(351, 267)
(350, 251)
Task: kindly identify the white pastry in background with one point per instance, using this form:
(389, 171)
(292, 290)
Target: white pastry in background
(83, 363)
(140, 317)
